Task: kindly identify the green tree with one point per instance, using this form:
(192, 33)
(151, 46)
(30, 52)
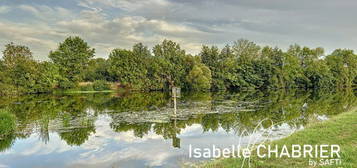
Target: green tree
(199, 78)
(243, 69)
(72, 57)
(293, 69)
(127, 68)
(47, 76)
(13, 54)
(246, 50)
(210, 56)
(5, 80)
(222, 65)
(97, 70)
(171, 61)
(274, 60)
(25, 75)
(305, 54)
(19, 68)
(343, 65)
(142, 51)
(319, 74)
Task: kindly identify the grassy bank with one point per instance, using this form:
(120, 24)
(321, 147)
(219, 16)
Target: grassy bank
(340, 129)
(89, 91)
(7, 123)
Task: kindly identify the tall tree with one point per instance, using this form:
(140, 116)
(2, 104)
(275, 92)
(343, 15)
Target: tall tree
(72, 57)
(141, 50)
(171, 60)
(97, 70)
(343, 64)
(14, 54)
(20, 67)
(246, 50)
(127, 68)
(199, 78)
(210, 56)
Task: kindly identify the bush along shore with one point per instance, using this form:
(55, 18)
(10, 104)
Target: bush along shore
(339, 130)
(240, 65)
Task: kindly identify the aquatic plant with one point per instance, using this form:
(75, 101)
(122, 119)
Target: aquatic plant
(7, 123)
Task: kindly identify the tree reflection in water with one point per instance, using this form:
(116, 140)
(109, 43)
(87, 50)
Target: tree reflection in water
(73, 116)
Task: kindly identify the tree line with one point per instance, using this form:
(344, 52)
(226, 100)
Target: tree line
(241, 65)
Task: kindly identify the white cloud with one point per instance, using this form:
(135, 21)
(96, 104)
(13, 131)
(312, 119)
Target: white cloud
(152, 157)
(103, 32)
(108, 24)
(40, 38)
(4, 9)
(36, 147)
(129, 5)
(124, 31)
(47, 13)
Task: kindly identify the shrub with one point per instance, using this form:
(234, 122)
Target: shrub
(100, 85)
(87, 87)
(199, 78)
(66, 84)
(8, 90)
(7, 123)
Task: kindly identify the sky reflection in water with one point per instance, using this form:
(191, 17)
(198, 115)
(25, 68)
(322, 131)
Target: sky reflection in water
(138, 130)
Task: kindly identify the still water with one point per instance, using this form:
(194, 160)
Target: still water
(141, 130)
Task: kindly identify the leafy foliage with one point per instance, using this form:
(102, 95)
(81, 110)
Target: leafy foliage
(199, 78)
(72, 57)
(171, 61)
(21, 73)
(7, 123)
(126, 68)
(97, 70)
(242, 65)
(100, 85)
(75, 115)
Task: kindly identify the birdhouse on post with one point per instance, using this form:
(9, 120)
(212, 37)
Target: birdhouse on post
(176, 92)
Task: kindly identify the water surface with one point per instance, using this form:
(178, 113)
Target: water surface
(140, 129)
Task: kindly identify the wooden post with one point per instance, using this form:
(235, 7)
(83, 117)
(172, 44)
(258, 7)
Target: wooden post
(174, 96)
(175, 109)
(176, 92)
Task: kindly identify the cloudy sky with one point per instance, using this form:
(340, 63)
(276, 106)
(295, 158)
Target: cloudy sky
(108, 24)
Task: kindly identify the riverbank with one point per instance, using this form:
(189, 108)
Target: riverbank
(340, 130)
